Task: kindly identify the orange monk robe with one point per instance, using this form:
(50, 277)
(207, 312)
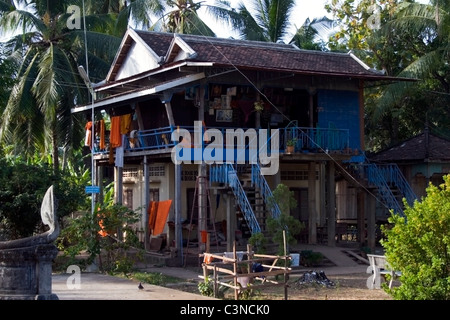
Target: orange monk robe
(115, 138)
(158, 212)
(161, 216)
(125, 123)
(152, 211)
(88, 138)
(102, 134)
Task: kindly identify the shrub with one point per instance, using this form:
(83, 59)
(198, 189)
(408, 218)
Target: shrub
(102, 233)
(418, 245)
(285, 200)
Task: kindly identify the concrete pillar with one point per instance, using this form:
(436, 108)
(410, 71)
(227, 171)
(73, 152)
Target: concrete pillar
(147, 202)
(371, 221)
(312, 227)
(178, 230)
(360, 218)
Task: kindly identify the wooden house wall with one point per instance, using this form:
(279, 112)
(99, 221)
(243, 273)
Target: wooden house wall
(340, 110)
(346, 204)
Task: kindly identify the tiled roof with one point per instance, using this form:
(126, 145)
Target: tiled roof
(262, 55)
(415, 149)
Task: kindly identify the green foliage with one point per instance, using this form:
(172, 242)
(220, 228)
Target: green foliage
(418, 245)
(248, 293)
(22, 187)
(285, 200)
(306, 36)
(311, 258)
(291, 142)
(403, 39)
(206, 288)
(258, 242)
(155, 278)
(108, 234)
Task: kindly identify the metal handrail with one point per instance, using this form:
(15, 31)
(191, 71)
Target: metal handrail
(394, 176)
(374, 176)
(226, 173)
(261, 183)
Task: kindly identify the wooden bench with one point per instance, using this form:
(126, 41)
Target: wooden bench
(379, 267)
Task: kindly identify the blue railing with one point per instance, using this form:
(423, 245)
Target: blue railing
(260, 183)
(226, 173)
(313, 139)
(388, 176)
(374, 176)
(159, 138)
(394, 177)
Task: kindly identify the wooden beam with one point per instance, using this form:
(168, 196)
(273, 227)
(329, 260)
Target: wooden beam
(331, 203)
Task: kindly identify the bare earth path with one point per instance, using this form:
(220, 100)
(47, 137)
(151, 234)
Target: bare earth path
(345, 287)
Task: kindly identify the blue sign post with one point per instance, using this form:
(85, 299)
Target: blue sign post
(92, 189)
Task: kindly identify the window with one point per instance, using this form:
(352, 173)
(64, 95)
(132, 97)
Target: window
(128, 198)
(157, 171)
(296, 175)
(154, 194)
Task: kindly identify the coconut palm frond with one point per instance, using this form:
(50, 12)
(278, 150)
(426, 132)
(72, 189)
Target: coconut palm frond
(21, 111)
(424, 66)
(324, 26)
(250, 29)
(279, 15)
(16, 20)
(195, 25)
(412, 18)
(141, 12)
(222, 12)
(45, 87)
(395, 92)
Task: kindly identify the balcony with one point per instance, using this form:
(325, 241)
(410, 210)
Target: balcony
(244, 141)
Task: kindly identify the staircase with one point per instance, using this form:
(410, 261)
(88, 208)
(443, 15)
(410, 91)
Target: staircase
(389, 182)
(226, 174)
(251, 191)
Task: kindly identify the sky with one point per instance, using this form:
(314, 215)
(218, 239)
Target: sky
(302, 10)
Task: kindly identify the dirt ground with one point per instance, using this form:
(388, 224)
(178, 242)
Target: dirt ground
(340, 287)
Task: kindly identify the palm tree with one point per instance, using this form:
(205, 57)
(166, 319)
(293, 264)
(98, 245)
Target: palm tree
(269, 22)
(311, 34)
(46, 54)
(182, 16)
(138, 13)
(419, 44)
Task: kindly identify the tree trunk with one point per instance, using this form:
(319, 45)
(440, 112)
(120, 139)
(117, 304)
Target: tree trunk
(55, 154)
